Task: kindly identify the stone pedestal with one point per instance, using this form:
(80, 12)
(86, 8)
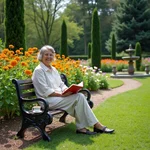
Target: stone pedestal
(147, 69)
(131, 67)
(114, 70)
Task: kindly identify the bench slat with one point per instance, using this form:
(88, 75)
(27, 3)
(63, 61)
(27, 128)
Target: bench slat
(26, 86)
(29, 94)
(56, 112)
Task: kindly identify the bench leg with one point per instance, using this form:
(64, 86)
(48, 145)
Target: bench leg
(41, 128)
(63, 117)
(45, 136)
(24, 126)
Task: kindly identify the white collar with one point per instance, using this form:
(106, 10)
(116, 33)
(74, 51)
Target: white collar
(45, 67)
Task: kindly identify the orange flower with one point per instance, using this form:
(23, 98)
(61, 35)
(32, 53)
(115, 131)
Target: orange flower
(35, 48)
(7, 59)
(30, 52)
(12, 52)
(17, 58)
(17, 51)
(21, 49)
(13, 63)
(35, 60)
(5, 51)
(10, 66)
(28, 72)
(3, 56)
(11, 46)
(27, 54)
(24, 64)
(5, 67)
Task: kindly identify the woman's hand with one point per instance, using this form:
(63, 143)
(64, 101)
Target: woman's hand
(57, 94)
(67, 94)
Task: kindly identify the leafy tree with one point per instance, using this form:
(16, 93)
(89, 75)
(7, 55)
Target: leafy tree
(138, 52)
(14, 23)
(132, 24)
(43, 16)
(95, 36)
(63, 47)
(48, 27)
(113, 51)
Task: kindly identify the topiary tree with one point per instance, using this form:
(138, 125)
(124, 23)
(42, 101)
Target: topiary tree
(95, 37)
(14, 23)
(63, 46)
(113, 48)
(89, 50)
(138, 52)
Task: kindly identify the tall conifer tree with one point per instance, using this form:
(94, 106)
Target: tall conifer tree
(63, 46)
(95, 37)
(89, 50)
(113, 48)
(14, 23)
(131, 24)
(138, 52)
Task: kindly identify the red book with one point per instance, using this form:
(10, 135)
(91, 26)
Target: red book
(74, 88)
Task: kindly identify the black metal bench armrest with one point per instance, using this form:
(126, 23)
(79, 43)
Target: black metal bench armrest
(87, 92)
(45, 108)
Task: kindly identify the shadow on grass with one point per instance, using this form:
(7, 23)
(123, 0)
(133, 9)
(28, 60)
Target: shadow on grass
(64, 134)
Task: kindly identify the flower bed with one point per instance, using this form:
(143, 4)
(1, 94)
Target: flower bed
(19, 66)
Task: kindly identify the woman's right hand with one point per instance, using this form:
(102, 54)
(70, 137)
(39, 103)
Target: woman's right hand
(57, 94)
(67, 94)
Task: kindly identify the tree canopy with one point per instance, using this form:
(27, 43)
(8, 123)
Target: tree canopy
(131, 25)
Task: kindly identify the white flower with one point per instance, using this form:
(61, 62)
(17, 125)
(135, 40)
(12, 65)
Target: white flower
(95, 67)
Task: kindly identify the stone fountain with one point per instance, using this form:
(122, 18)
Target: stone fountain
(131, 59)
(130, 71)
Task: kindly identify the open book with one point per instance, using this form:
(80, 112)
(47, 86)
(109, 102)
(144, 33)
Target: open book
(74, 88)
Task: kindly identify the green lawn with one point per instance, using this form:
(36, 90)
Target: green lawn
(128, 113)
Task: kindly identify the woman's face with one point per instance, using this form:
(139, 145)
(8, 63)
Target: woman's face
(48, 57)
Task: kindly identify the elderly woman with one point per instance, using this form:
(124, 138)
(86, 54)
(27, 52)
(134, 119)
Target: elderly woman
(48, 85)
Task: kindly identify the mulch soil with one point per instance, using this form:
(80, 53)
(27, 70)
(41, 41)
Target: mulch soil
(9, 129)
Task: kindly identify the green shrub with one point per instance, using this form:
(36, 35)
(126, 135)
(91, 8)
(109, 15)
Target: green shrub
(145, 61)
(138, 53)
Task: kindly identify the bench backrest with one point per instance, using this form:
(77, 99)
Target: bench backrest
(25, 88)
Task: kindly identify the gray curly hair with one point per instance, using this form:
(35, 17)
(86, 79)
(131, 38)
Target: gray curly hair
(43, 49)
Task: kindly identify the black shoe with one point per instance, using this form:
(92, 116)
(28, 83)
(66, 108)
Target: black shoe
(88, 132)
(104, 130)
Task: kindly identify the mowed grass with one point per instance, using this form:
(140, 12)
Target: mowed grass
(113, 83)
(128, 113)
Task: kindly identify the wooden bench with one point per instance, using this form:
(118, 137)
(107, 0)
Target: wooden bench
(26, 97)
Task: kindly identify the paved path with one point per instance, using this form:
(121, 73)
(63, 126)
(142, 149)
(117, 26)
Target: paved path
(129, 84)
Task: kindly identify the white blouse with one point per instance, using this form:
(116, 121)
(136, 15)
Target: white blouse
(46, 81)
